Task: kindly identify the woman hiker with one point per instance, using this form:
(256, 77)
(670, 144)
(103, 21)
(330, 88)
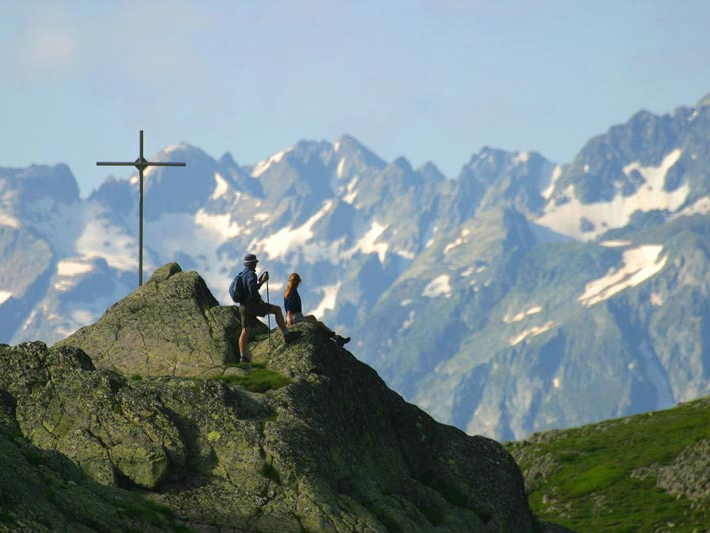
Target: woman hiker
(246, 292)
(294, 313)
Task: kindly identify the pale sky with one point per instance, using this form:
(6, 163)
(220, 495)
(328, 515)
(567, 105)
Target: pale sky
(429, 80)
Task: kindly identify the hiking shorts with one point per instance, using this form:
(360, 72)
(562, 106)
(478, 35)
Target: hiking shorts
(249, 311)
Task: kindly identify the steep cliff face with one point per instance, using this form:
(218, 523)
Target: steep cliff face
(305, 438)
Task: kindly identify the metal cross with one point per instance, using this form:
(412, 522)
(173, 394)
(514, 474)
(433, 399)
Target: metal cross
(140, 163)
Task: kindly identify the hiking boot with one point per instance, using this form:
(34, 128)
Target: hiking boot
(291, 336)
(342, 341)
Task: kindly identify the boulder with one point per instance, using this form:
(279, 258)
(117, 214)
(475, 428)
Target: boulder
(170, 326)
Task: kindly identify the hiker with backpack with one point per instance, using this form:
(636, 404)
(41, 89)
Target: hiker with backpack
(244, 290)
(294, 312)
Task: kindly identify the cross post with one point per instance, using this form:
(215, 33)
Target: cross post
(141, 163)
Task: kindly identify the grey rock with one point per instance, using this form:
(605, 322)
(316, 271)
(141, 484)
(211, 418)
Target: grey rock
(172, 325)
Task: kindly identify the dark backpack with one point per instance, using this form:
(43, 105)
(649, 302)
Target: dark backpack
(237, 290)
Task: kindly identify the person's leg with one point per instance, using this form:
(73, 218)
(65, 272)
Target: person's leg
(280, 322)
(244, 335)
(332, 334)
(288, 334)
(243, 341)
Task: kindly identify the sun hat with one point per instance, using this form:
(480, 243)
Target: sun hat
(250, 259)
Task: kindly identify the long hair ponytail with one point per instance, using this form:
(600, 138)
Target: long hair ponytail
(293, 281)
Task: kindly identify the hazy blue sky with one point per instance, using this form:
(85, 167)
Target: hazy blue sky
(428, 80)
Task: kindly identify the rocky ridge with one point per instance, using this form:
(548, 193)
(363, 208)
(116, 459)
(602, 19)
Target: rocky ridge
(319, 444)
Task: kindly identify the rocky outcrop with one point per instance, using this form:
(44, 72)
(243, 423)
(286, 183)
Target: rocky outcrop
(170, 326)
(305, 438)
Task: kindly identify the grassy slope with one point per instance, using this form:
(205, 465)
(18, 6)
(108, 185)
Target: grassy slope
(605, 477)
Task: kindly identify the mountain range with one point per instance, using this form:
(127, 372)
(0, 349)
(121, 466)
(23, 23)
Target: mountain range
(521, 295)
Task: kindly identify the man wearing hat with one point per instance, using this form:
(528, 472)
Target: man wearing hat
(251, 305)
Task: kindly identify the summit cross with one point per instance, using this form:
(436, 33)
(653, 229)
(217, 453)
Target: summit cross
(141, 163)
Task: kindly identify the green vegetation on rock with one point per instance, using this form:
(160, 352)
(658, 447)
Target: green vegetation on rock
(256, 378)
(648, 472)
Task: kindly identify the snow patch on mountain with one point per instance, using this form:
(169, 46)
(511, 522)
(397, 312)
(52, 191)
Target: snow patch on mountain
(409, 321)
(439, 286)
(351, 194)
(565, 218)
(175, 147)
(508, 319)
(458, 242)
(7, 219)
(639, 265)
(221, 226)
(615, 244)
(533, 331)
(550, 187)
(221, 187)
(277, 244)
(341, 167)
(654, 176)
(521, 158)
(73, 267)
(102, 239)
(330, 296)
(263, 166)
(700, 207)
(368, 242)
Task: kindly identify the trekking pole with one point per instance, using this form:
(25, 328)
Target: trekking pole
(268, 316)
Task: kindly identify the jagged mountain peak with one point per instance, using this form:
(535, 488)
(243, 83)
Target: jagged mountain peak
(349, 146)
(40, 181)
(401, 162)
(431, 172)
(227, 160)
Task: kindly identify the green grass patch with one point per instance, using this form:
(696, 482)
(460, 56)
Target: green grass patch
(257, 379)
(593, 488)
(149, 511)
(594, 479)
(161, 508)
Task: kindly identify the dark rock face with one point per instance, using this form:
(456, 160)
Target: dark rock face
(333, 450)
(171, 326)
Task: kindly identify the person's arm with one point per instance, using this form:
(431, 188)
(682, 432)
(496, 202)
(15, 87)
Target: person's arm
(262, 279)
(252, 285)
(288, 306)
